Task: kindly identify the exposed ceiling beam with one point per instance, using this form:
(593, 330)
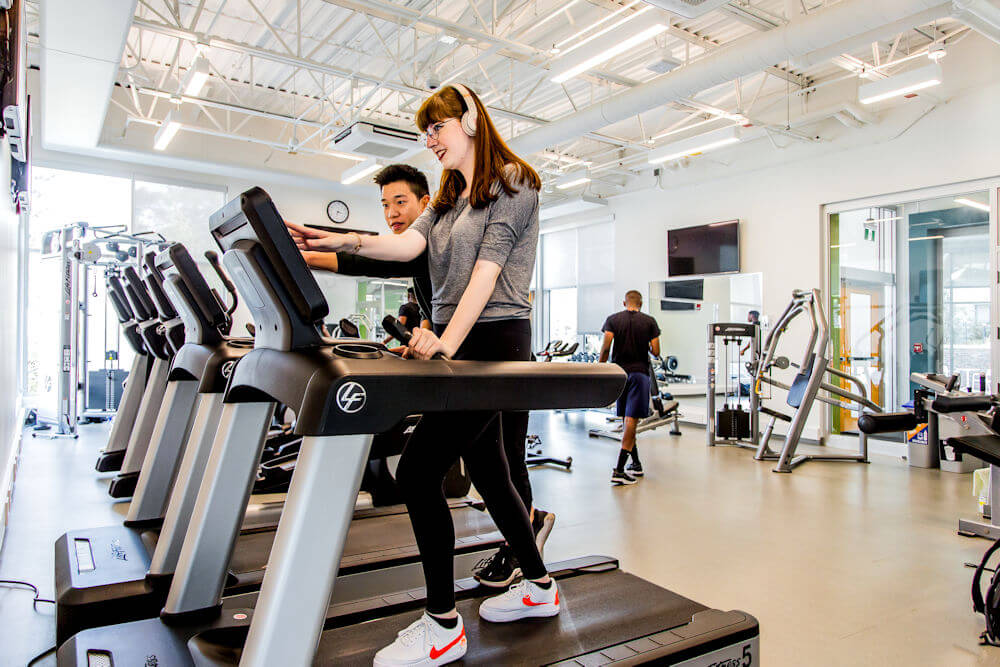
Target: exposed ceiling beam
(305, 63)
(430, 24)
(752, 16)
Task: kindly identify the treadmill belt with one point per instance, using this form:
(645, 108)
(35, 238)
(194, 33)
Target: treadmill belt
(370, 540)
(598, 610)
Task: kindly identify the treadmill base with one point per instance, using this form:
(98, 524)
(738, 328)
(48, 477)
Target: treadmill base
(666, 629)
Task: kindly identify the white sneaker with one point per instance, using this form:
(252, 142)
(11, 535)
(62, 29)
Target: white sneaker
(425, 642)
(525, 599)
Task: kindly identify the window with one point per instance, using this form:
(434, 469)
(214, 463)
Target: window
(61, 198)
(577, 284)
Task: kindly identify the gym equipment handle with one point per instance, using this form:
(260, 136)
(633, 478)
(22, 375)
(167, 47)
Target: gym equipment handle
(213, 259)
(887, 422)
(946, 404)
(399, 332)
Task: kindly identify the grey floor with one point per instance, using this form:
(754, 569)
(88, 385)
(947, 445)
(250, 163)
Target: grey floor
(843, 564)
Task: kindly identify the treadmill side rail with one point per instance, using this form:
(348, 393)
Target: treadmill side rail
(307, 550)
(222, 500)
(152, 398)
(208, 411)
(164, 453)
(124, 419)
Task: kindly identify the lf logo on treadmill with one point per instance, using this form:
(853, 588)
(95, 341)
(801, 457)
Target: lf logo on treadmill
(351, 397)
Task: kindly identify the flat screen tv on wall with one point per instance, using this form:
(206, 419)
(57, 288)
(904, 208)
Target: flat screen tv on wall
(704, 250)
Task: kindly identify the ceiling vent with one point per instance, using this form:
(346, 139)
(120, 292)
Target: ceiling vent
(377, 141)
(689, 9)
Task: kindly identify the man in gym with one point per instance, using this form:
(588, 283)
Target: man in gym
(405, 195)
(634, 335)
(409, 315)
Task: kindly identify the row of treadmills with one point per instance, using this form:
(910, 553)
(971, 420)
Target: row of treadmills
(205, 573)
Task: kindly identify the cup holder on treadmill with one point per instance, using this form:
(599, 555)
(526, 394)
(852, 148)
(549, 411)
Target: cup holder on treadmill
(357, 351)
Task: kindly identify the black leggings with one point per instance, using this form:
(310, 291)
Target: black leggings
(481, 439)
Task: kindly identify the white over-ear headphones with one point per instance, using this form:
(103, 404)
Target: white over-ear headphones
(471, 115)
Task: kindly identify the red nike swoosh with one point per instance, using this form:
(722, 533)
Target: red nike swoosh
(527, 600)
(435, 653)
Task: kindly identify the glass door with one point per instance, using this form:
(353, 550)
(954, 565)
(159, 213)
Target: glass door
(862, 345)
(910, 292)
(862, 328)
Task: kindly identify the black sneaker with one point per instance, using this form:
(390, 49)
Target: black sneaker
(621, 478)
(634, 469)
(499, 570)
(541, 525)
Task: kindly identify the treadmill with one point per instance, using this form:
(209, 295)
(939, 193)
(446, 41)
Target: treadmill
(342, 393)
(119, 573)
(162, 334)
(112, 456)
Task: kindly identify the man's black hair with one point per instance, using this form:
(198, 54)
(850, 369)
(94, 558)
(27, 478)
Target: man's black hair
(395, 173)
(410, 293)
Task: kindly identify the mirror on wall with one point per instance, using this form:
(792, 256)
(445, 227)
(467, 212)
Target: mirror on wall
(685, 307)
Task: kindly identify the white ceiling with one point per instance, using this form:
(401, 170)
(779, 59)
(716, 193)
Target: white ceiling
(312, 67)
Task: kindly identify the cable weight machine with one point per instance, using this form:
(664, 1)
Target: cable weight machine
(732, 425)
(81, 248)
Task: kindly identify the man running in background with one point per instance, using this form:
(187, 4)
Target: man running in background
(634, 334)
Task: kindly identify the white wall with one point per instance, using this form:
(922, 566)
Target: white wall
(684, 333)
(9, 401)
(778, 195)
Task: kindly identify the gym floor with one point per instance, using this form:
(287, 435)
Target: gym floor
(842, 564)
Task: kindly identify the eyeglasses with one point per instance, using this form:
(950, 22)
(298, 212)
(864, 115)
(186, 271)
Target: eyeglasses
(434, 130)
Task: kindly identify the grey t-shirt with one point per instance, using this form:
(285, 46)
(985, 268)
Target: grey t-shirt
(505, 232)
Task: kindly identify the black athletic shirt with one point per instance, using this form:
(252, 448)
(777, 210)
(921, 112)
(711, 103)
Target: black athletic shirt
(633, 331)
(412, 313)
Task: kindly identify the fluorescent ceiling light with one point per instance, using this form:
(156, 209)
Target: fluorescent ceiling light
(616, 46)
(573, 179)
(843, 245)
(447, 39)
(571, 206)
(965, 201)
(695, 145)
(557, 12)
(607, 18)
(926, 238)
(678, 130)
(166, 133)
(196, 77)
(359, 171)
(574, 183)
(901, 84)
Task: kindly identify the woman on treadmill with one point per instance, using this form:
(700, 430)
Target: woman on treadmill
(481, 234)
